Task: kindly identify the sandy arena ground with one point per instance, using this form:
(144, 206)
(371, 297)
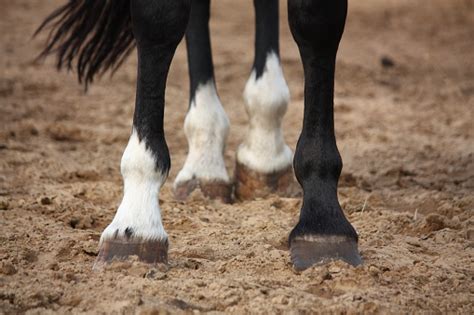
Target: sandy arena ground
(405, 133)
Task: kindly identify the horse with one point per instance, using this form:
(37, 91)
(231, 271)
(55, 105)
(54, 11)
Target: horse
(94, 36)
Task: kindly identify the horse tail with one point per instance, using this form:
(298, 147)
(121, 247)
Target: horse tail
(96, 35)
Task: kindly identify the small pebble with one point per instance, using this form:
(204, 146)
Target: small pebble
(154, 274)
(275, 254)
(470, 235)
(374, 271)
(53, 266)
(8, 269)
(46, 200)
(4, 204)
(280, 300)
(387, 62)
(334, 269)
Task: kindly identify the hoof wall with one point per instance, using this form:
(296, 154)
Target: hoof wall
(308, 251)
(250, 184)
(219, 190)
(147, 251)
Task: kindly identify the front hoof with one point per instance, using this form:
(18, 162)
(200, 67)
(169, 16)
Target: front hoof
(147, 251)
(217, 189)
(250, 184)
(307, 251)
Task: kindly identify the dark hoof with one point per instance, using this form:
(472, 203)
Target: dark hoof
(148, 251)
(212, 189)
(250, 184)
(307, 251)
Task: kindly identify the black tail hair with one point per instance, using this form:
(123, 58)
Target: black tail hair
(96, 33)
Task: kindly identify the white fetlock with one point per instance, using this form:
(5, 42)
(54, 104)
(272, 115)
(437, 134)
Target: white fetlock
(206, 127)
(266, 101)
(138, 215)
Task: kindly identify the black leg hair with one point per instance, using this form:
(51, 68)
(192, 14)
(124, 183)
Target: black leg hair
(266, 32)
(323, 232)
(158, 27)
(198, 44)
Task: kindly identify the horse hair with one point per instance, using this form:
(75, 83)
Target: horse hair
(97, 34)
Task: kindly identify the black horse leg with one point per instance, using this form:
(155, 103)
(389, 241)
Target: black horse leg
(323, 232)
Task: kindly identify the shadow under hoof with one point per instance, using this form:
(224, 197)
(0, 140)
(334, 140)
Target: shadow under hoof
(250, 184)
(218, 190)
(317, 250)
(147, 251)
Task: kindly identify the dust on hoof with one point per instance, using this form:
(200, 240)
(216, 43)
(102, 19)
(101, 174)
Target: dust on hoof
(212, 189)
(147, 251)
(307, 251)
(250, 184)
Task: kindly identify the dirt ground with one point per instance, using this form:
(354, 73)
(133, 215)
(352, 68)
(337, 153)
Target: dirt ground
(405, 133)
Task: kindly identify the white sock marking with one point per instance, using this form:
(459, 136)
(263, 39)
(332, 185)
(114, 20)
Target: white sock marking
(139, 209)
(266, 101)
(206, 127)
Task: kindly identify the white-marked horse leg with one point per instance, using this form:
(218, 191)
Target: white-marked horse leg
(264, 161)
(137, 228)
(206, 125)
(99, 35)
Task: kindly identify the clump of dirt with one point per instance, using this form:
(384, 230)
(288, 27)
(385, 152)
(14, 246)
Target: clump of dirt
(403, 110)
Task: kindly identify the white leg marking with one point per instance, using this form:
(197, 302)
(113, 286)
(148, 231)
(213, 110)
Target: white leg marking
(266, 100)
(139, 209)
(206, 127)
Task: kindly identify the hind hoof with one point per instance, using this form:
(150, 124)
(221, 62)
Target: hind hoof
(307, 251)
(147, 251)
(218, 190)
(250, 184)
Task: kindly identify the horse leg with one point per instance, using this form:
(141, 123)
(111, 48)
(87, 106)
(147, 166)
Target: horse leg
(323, 232)
(206, 125)
(136, 229)
(263, 159)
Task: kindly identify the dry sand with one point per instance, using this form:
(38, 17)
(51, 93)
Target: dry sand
(405, 133)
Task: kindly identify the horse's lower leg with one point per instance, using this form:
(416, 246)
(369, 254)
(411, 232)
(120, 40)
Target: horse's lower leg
(323, 232)
(263, 158)
(206, 125)
(137, 229)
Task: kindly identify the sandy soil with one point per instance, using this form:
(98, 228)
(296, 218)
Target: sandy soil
(405, 133)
